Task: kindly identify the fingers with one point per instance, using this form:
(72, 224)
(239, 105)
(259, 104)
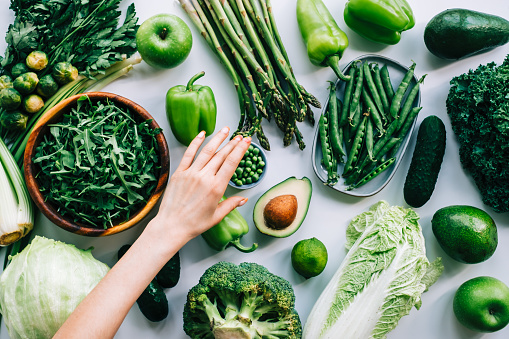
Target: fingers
(231, 162)
(218, 159)
(226, 207)
(210, 149)
(191, 151)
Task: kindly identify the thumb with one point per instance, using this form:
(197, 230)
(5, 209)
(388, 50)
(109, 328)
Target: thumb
(226, 207)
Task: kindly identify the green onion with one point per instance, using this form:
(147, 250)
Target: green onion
(16, 211)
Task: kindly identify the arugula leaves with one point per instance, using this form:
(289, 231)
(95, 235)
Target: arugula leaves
(82, 32)
(98, 164)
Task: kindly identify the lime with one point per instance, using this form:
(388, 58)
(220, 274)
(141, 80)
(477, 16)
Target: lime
(309, 257)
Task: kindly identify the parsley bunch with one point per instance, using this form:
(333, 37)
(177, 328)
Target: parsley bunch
(478, 106)
(83, 33)
(98, 165)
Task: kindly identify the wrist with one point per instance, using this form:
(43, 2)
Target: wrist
(165, 236)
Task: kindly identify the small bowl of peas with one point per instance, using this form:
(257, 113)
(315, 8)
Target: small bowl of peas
(251, 169)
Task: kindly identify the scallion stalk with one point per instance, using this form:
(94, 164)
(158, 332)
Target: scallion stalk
(16, 210)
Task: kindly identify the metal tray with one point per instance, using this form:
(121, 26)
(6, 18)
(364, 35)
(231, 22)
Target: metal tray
(397, 72)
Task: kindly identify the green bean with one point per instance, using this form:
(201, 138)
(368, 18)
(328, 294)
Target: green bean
(407, 106)
(369, 139)
(336, 142)
(373, 174)
(327, 157)
(356, 145)
(357, 92)
(400, 92)
(373, 111)
(347, 97)
(386, 82)
(379, 86)
(372, 88)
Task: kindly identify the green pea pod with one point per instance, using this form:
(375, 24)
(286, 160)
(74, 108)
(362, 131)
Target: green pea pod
(379, 20)
(228, 232)
(325, 41)
(191, 109)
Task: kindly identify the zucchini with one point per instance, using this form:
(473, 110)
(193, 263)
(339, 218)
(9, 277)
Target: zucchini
(169, 275)
(152, 301)
(426, 162)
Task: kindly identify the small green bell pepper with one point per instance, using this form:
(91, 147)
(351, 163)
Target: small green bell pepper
(379, 20)
(325, 41)
(191, 109)
(228, 233)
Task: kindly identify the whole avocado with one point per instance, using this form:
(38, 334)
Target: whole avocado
(458, 33)
(466, 233)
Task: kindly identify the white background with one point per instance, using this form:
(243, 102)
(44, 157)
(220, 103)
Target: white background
(330, 211)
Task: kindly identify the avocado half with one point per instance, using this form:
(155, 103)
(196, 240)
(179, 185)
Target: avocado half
(287, 201)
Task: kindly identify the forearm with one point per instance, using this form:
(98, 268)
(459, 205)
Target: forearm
(104, 309)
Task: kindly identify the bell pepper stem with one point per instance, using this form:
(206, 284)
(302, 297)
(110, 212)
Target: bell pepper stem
(333, 62)
(189, 86)
(241, 247)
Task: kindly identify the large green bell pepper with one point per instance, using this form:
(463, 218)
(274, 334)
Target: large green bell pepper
(379, 20)
(325, 41)
(228, 233)
(191, 109)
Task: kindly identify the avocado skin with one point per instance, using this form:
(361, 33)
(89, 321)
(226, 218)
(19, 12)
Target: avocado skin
(466, 233)
(426, 162)
(459, 33)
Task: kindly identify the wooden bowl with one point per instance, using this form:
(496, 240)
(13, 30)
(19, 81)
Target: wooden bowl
(41, 128)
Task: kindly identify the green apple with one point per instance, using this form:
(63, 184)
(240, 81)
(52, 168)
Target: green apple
(482, 304)
(164, 41)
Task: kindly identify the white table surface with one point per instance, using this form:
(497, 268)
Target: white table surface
(330, 211)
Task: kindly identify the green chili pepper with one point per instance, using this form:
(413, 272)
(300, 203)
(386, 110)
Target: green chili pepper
(191, 109)
(379, 20)
(325, 41)
(228, 232)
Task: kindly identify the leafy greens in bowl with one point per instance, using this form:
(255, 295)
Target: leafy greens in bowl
(96, 164)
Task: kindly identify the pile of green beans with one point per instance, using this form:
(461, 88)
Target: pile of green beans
(366, 129)
(250, 168)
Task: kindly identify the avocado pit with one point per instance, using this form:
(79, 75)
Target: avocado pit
(280, 212)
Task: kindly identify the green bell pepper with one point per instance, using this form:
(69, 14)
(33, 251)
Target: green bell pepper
(325, 41)
(379, 20)
(228, 232)
(191, 109)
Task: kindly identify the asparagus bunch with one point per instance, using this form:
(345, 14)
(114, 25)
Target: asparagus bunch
(243, 34)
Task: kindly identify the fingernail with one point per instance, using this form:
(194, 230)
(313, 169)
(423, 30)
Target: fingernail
(201, 135)
(225, 130)
(248, 139)
(242, 202)
(238, 137)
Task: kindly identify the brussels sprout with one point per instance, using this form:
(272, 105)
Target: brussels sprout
(64, 72)
(37, 60)
(33, 103)
(10, 99)
(14, 120)
(19, 69)
(47, 86)
(5, 82)
(26, 83)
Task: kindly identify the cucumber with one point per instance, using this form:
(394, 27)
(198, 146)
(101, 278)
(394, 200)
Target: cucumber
(458, 33)
(426, 162)
(152, 301)
(169, 275)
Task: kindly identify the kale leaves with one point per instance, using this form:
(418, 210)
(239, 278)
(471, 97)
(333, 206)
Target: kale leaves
(478, 106)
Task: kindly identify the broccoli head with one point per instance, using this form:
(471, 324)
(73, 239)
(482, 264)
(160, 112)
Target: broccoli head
(243, 301)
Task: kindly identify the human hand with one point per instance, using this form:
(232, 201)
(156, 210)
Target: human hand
(190, 205)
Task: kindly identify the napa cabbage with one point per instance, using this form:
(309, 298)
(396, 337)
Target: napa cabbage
(43, 284)
(381, 278)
